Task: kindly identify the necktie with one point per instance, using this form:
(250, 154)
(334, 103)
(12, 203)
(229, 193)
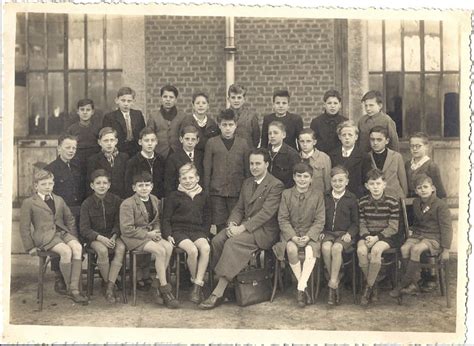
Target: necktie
(129, 126)
(191, 156)
(254, 187)
(50, 202)
(344, 153)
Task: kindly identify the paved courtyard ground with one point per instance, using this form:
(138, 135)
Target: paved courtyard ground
(426, 313)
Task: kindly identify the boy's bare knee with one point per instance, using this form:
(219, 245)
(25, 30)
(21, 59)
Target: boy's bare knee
(204, 248)
(336, 249)
(326, 247)
(192, 251)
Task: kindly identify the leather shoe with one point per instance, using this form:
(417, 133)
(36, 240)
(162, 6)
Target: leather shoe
(411, 289)
(365, 299)
(395, 293)
(301, 298)
(374, 297)
(196, 294)
(77, 297)
(60, 285)
(211, 302)
(332, 296)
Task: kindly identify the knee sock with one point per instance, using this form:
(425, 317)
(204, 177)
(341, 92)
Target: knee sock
(221, 286)
(365, 269)
(296, 268)
(411, 274)
(104, 268)
(308, 266)
(404, 263)
(115, 267)
(65, 269)
(374, 269)
(76, 268)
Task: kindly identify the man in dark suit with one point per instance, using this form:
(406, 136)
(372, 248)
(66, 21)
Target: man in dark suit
(252, 225)
(126, 121)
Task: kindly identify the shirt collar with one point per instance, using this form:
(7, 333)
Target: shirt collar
(261, 179)
(146, 157)
(348, 152)
(43, 196)
(307, 156)
(276, 149)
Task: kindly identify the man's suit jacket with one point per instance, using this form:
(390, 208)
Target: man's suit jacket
(353, 164)
(35, 212)
(394, 171)
(257, 211)
(116, 120)
(134, 224)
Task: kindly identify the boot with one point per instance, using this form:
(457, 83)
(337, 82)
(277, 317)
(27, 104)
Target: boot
(109, 293)
(365, 299)
(59, 284)
(196, 295)
(168, 297)
(412, 289)
(156, 292)
(301, 299)
(332, 296)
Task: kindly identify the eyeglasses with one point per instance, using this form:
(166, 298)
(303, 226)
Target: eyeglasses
(416, 146)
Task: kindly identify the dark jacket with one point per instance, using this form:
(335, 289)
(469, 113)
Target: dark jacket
(293, 124)
(138, 164)
(281, 164)
(353, 164)
(324, 127)
(210, 130)
(429, 168)
(174, 162)
(117, 172)
(343, 217)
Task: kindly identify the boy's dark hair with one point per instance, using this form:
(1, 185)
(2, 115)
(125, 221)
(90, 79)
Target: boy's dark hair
(99, 173)
(332, 93)
(107, 130)
(85, 102)
(126, 91)
(379, 129)
(65, 136)
(374, 174)
(226, 114)
(42, 174)
(146, 131)
(373, 94)
(307, 131)
(142, 177)
(237, 89)
(281, 93)
(200, 93)
(189, 129)
(421, 178)
(423, 136)
(339, 170)
(302, 167)
(171, 88)
(261, 151)
(278, 124)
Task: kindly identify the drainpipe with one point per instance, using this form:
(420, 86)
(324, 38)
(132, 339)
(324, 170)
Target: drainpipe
(230, 54)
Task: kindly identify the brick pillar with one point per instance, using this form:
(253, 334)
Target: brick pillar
(358, 66)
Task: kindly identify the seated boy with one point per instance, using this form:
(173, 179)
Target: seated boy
(54, 229)
(378, 219)
(293, 122)
(431, 231)
(101, 228)
(340, 228)
(225, 168)
(146, 161)
(126, 121)
(318, 160)
(111, 160)
(373, 104)
(247, 121)
(301, 220)
(140, 228)
(189, 137)
(388, 161)
(350, 156)
(324, 126)
(282, 156)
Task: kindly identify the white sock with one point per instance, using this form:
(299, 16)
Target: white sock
(308, 266)
(296, 268)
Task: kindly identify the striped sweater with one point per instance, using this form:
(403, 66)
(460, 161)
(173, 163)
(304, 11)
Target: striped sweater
(378, 217)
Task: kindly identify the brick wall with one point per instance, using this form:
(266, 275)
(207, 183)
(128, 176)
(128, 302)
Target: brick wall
(297, 54)
(187, 52)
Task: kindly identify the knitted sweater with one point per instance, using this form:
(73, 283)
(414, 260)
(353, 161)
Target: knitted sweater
(378, 217)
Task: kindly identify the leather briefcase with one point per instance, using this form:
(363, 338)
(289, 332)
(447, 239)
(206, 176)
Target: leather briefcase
(253, 286)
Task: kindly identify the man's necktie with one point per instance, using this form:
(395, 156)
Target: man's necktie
(50, 202)
(128, 122)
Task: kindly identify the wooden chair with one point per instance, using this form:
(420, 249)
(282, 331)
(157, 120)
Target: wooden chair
(92, 270)
(44, 259)
(434, 262)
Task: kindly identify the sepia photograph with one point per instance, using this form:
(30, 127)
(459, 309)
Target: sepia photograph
(211, 173)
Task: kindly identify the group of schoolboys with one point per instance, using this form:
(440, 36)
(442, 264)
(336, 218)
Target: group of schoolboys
(160, 184)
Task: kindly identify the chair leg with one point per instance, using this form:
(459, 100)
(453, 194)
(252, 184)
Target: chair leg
(39, 295)
(396, 272)
(444, 281)
(276, 278)
(133, 260)
(90, 275)
(178, 274)
(318, 279)
(124, 280)
(354, 277)
(311, 285)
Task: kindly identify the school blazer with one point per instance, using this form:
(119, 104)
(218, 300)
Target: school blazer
(117, 172)
(35, 212)
(116, 121)
(257, 211)
(134, 224)
(353, 164)
(394, 171)
(174, 162)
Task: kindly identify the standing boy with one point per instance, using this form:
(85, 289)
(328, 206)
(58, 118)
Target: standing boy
(225, 168)
(374, 116)
(293, 122)
(324, 126)
(166, 122)
(126, 121)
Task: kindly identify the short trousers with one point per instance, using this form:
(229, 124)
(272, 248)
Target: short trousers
(433, 245)
(315, 246)
(179, 236)
(59, 237)
(334, 238)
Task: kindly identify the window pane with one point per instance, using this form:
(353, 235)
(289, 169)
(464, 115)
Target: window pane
(432, 46)
(95, 41)
(450, 46)
(36, 90)
(375, 45)
(114, 82)
(394, 101)
(411, 41)
(432, 105)
(76, 90)
(114, 42)
(393, 45)
(376, 82)
(451, 105)
(76, 41)
(55, 27)
(36, 41)
(55, 121)
(20, 44)
(412, 94)
(95, 89)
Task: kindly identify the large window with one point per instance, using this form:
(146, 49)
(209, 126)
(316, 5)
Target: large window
(60, 59)
(416, 66)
